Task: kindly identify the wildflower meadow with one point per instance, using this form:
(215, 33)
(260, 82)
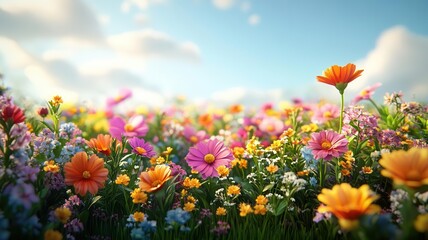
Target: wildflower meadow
(351, 169)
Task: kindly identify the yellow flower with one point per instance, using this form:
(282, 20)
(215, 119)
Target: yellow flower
(234, 162)
(168, 151)
(122, 179)
(260, 209)
(221, 211)
(243, 163)
(367, 170)
(261, 200)
(191, 183)
(222, 171)
(244, 209)
(189, 206)
(349, 156)
(191, 199)
(406, 168)
(303, 173)
(138, 216)
(288, 133)
(272, 168)
(238, 152)
(62, 214)
(56, 100)
(421, 223)
(233, 190)
(52, 235)
(348, 204)
(345, 172)
(138, 196)
(50, 166)
(160, 160)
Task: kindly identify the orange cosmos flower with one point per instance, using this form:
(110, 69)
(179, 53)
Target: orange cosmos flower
(406, 168)
(348, 203)
(86, 175)
(154, 179)
(340, 76)
(102, 143)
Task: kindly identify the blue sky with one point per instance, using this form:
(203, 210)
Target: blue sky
(223, 51)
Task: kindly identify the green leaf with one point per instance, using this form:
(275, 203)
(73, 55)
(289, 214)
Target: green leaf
(268, 187)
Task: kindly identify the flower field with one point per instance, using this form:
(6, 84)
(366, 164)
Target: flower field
(302, 171)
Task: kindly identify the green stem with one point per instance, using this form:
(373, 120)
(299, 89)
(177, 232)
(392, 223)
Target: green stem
(342, 106)
(321, 172)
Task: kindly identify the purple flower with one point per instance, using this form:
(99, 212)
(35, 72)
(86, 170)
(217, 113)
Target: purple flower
(20, 135)
(54, 181)
(140, 147)
(74, 226)
(366, 93)
(194, 136)
(221, 229)
(27, 173)
(21, 194)
(206, 156)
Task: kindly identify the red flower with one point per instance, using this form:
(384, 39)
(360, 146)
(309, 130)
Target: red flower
(13, 113)
(340, 76)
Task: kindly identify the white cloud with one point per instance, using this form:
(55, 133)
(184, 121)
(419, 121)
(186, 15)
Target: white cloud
(399, 62)
(223, 4)
(254, 19)
(48, 19)
(141, 19)
(140, 4)
(104, 19)
(150, 43)
(245, 6)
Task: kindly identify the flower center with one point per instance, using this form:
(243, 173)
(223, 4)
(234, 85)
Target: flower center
(155, 183)
(327, 114)
(270, 128)
(194, 139)
(129, 127)
(326, 145)
(209, 158)
(140, 150)
(86, 174)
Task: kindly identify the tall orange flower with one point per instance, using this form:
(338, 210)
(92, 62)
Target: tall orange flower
(102, 144)
(86, 175)
(340, 76)
(348, 204)
(406, 168)
(153, 179)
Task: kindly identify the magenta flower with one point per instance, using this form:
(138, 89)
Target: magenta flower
(135, 127)
(194, 136)
(327, 144)
(325, 113)
(366, 93)
(206, 156)
(140, 147)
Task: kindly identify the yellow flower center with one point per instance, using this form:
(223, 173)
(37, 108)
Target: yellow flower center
(327, 114)
(140, 150)
(209, 158)
(326, 145)
(129, 127)
(86, 174)
(194, 139)
(270, 128)
(155, 183)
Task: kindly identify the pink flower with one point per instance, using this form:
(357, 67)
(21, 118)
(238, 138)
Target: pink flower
(272, 126)
(327, 144)
(140, 147)
(135, 127)
(325, 113)
(366, 93)
(206, 156)
(120, 97)
(194, 136)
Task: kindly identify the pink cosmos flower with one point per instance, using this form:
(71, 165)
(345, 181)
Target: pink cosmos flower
(140, 147)
(194, 136)
(135, 127)
(327, 144)
(325, 113)
(206, 156)
(272, 126)
(366, 93)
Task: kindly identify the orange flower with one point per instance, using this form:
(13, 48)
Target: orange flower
(102, 143)
(406, 168)
(153, 179)
(86, 175)
(340, 76)
(348, 203)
